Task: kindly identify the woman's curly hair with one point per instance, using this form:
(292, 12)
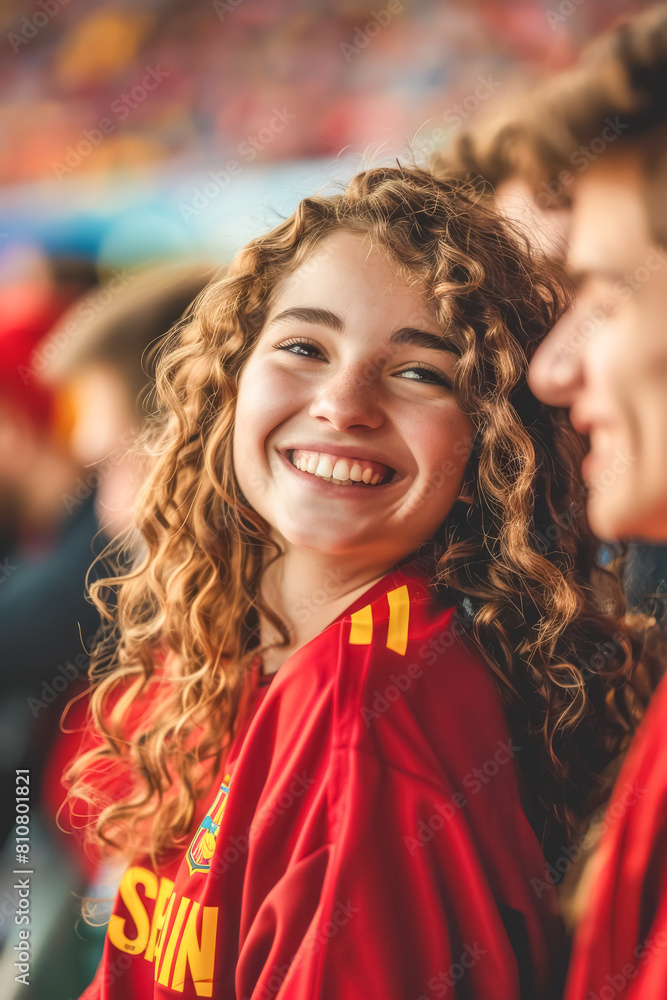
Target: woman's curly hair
(519, 562)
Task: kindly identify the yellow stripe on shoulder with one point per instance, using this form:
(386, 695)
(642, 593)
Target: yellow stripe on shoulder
(399, 618)
(361, 628)
(361, 622)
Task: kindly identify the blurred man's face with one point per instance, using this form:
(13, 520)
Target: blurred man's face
(607, 359)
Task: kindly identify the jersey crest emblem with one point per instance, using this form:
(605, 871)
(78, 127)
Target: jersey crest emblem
(200, 851)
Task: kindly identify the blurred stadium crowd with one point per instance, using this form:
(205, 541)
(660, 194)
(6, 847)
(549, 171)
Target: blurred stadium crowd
(68, 66)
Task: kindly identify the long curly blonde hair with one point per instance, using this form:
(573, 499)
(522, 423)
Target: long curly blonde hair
(519, 562)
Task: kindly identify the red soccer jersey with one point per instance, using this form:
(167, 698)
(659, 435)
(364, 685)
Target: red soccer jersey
(620, 949)
(365, 839)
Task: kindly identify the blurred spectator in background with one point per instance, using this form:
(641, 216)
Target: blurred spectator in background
(594, 143)
(72, 429)
(103, 371)
(44, 553)
(34, 461)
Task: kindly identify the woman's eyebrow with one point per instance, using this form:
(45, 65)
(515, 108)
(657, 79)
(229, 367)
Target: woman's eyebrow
(324, 317)
(308, 314)
(421, 338)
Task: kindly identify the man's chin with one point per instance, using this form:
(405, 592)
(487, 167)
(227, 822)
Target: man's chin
(627, 521)
(609, 520)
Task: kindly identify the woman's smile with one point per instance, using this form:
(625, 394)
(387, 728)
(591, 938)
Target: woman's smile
(330, 486)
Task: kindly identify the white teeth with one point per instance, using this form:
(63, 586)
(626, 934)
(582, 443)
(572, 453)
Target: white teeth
(341, 470)
(339, 473)
(324, 468)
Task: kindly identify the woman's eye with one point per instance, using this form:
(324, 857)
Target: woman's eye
(427, 375)
(435, 377)
(295, 342)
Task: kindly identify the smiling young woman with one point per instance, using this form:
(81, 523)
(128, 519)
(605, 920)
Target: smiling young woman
(357, 692)
(340, 377)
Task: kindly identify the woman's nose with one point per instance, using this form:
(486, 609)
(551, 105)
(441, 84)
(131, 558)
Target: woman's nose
(350, 397)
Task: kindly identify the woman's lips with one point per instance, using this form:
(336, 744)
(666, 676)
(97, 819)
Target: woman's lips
(333, 489)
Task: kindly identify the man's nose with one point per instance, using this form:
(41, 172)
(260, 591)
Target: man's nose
(555, 370)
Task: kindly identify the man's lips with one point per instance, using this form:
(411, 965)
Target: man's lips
(595, 462)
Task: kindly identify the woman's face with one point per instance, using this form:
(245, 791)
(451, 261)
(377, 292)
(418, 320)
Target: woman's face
(350, 378)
